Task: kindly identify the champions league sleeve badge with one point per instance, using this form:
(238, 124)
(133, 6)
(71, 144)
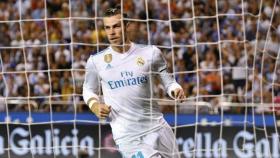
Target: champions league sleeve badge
(108, 58)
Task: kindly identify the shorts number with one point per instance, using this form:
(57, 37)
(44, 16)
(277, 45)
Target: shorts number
(138, 155)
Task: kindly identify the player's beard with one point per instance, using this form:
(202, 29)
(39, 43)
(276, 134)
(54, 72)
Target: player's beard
(119, 42)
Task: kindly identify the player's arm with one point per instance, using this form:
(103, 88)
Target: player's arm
(90, 91)
(174, 90)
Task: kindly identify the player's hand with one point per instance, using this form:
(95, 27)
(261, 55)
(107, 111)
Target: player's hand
(101, 110)
(179, 94)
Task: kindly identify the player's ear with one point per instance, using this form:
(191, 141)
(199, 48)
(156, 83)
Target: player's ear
(127, 24)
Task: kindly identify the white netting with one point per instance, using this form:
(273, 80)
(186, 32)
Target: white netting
(224, 53)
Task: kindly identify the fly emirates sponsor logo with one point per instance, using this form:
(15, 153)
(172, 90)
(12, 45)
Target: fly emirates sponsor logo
(128, 79)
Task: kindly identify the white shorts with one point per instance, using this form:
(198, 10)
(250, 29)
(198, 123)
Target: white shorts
(158, 144)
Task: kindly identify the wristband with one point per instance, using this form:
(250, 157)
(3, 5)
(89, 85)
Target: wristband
(91, 103)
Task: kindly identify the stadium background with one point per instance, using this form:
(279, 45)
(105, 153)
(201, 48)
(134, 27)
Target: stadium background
(228, 58)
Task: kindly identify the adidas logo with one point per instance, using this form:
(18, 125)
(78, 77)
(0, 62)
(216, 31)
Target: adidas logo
(108, 66)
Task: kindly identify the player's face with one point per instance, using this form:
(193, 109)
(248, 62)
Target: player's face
(113, 29)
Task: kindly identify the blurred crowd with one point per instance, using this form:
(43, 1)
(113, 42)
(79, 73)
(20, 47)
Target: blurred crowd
(219, 51)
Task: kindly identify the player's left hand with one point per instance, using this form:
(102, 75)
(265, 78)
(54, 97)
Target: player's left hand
(179, 94)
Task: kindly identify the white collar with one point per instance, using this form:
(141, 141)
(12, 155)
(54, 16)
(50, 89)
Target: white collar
(124, 54)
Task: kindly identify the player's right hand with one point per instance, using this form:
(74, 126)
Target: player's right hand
(101, 110)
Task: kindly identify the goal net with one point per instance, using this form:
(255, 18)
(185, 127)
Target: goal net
(224, 53)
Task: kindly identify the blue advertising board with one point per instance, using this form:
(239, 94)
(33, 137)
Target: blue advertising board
(179, 119)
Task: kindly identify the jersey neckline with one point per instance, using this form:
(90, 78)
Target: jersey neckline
(125, 54)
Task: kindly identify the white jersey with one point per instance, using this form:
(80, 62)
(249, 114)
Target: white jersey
(127, 87)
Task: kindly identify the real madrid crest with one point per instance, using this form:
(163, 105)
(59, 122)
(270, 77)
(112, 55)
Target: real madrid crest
(140, 61)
